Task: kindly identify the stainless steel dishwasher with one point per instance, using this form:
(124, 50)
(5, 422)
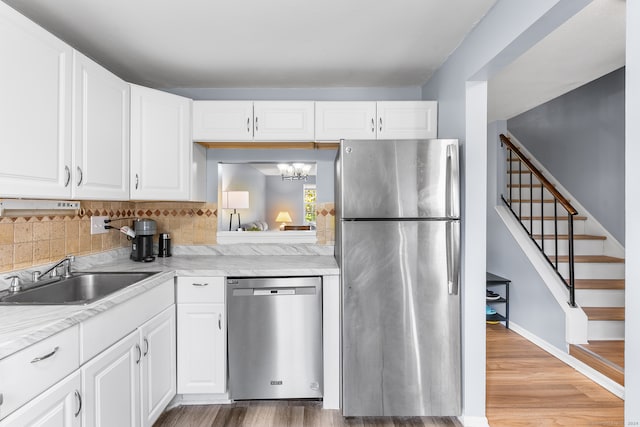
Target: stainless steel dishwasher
(275, 337)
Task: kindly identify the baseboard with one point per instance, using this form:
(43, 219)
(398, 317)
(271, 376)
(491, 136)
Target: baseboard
(576, 364)
(468, 421)
(199, 399)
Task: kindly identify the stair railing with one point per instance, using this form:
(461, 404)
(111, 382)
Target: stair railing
(524, 167)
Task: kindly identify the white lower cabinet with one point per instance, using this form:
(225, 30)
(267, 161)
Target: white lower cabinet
(131, 383)
(59, 406)
(111, 385)
(202, 335)
(158, 342)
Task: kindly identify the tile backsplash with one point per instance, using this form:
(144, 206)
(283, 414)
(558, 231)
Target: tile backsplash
(27, 241)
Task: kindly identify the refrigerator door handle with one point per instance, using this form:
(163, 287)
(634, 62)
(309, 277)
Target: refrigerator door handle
(453, 257)
(453, 182)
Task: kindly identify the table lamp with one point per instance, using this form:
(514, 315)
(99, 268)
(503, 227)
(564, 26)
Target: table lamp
(283, 218)
(235, 200)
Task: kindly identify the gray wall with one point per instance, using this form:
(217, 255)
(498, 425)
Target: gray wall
(528, 293)
(285, 196)
(579, 138)
(238, 177)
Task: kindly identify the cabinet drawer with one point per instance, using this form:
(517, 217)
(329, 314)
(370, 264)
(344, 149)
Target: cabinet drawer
(31, 371)
(99, 332)
(200, 289)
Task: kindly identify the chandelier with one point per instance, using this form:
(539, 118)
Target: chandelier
(294, 171)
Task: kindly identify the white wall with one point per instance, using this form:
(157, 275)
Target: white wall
(632, 225)
(508, 30)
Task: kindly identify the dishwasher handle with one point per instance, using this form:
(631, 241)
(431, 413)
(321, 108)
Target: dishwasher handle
(274, 291)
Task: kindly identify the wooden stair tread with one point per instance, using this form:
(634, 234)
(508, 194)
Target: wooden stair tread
(611, 350)
(604, 313)
(598, 362)
(551, 218)
(589, 258)
(599, 283)
(566, 237)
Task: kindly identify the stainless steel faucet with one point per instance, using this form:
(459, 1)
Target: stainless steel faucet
(66, 273)
(15, 285)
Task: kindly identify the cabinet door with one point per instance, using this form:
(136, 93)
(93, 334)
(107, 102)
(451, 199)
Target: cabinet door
(100, 132)
(345, 120)
(59, 406)
(158, 364)
(201, 348)
(35, 110)
(407, 119)
(160, 145)
(283, 121)
(222, 120)
(111, 385)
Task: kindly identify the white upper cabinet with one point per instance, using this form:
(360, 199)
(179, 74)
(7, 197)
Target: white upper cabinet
(161, 147)
(283, 121)
(100, 132)
(376, 120)
(345, 120)
(35, 110)
(230, 121)
(222, 120)
(407, 119)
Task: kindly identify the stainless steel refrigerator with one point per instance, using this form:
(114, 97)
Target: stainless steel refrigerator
(398, 246)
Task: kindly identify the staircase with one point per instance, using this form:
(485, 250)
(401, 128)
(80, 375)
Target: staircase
(598, 276)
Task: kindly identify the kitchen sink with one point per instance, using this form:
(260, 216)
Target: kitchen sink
(81, 288)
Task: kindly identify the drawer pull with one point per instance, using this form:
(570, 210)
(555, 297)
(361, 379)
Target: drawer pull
(139, 354)
(79, 398)
(200, 284)
(146, 347)
(46, 356)
(220, 321)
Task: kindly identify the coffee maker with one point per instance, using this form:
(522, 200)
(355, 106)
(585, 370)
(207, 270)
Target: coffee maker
(142, 243)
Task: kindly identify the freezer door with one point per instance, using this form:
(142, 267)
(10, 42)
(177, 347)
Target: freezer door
(401, 319)
(399, 179)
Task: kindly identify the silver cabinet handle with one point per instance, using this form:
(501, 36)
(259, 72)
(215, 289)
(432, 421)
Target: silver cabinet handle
(137, 181)
(46, 356)
(220, 321)
(380, 124)
(373, 125)
(199, 284)
(146, 347)
(79, 398)
(256, 124)
(139, 354)
(80, 172)
(1, 399)
(248, 124)
(67, 171)
(453, 256)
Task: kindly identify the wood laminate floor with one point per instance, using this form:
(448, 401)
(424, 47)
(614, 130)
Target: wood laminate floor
(295, 413)
(526, 386)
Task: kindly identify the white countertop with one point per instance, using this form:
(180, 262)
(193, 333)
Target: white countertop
(23, 325)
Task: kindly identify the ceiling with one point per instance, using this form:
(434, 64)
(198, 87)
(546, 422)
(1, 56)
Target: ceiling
(587, 46)
(256, 43)
(331, 43)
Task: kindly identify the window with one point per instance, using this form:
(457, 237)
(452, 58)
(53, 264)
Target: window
(309, 203)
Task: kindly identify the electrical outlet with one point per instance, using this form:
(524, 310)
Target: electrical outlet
(97, 225)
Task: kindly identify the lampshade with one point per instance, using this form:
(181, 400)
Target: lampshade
(235, 200)
(283, 216)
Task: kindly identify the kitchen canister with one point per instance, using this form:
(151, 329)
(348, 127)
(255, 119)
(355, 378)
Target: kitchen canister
(164, 245)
